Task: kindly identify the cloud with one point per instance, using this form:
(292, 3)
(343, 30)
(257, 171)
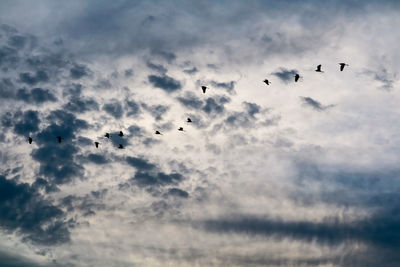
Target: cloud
(152, 180)
(165, 83)
(159, 68)
(140, 164)
(314, 104)
(30, 79)
(27, 122)
(114, 109)
(285, 75)
(191, 71)
(24, 210)
(36, 95)
(78, 71)
(228, 86)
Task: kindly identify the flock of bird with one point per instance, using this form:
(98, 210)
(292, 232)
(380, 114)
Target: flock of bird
(204, 89)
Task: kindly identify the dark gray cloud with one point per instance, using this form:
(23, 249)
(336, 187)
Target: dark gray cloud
(36, 95)
(114, 109)
(228, 86)
(314, 103)
(30, 79)
(215, 105)
(191, 71)
(176, 192)
(190, 101)
(160, 68)
(133, 108)
(165, 83)
(157, 111)
(24, 210)
(79, 71)
(26, 123)
(97, 159)
(128, 73)
(140, 163)
(285, 75)
(150, 179)
(57, 160)
(244, 119)
(81, 105)
(7, 89)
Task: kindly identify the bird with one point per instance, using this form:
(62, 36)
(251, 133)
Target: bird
(30, 140)
(267, 82)
(342, 66)
(121, 133)
(296, 77)
(319, 68)
(189, 120)
(59, 138)
(96, 144)
(180, 129)
(204, 88)
(120, 146)
(158, 132)
(107, 135)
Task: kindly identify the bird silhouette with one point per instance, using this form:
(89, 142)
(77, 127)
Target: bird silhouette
(319, 68)
(107, 135)
(158, 132)
(189, 120)
(204, 88)
(342, 65)
(59, 138)
(121, 133)
(96, 144)
(296, 77)
(267, 82)
(120, 146)
(30, 140)
(180, 129)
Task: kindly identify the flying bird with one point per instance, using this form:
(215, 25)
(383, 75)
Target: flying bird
(107, 135)
(204, 88)
(319, 68)
(96, 144)
(120, 146)
(189, 120)
(30, 140)
(267, 82)
(342, 66)
(59, 138)
(180, 129)
(121, 133)
(296, 77)
(158, 132)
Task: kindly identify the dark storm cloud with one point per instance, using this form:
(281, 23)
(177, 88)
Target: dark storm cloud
(314, 103)
(30, 79)
(24, 210)
(57, 159)
(176, 192)
(81, 104)
(27, 122)
(7, 89)
(8, 57)
(78, 71)
(150, 179)
(228, 86)
(36, 95)
(285, 75)
(18, 41)
(114, 109)
(165, 83)
(168, 56)
(159, 68)
(140, 163)
(97, 159)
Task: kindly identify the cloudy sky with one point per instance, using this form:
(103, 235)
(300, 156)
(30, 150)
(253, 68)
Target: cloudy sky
(290, 174)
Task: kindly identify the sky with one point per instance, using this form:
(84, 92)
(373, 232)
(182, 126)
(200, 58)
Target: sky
(288, 174)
